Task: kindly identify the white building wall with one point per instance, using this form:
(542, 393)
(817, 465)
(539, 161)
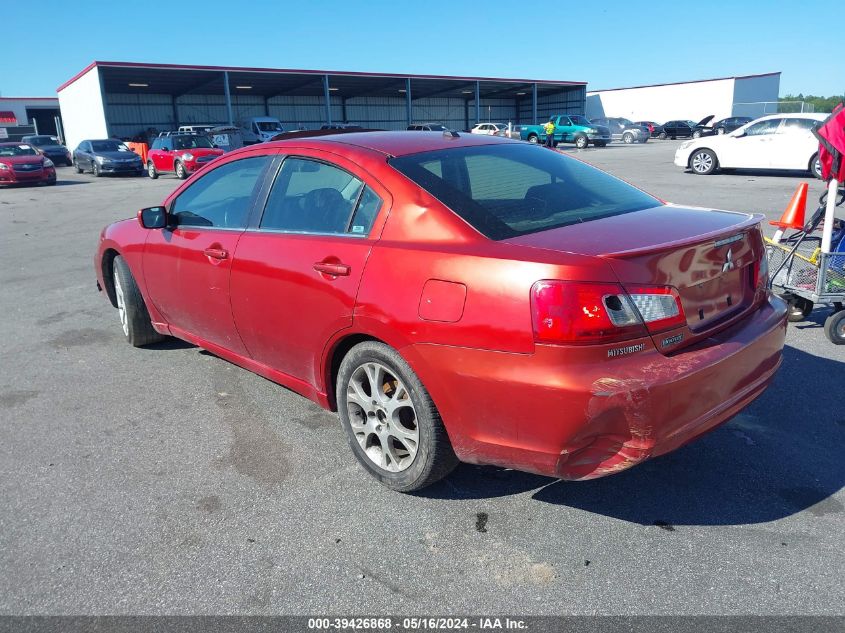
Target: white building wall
(83, 110)
(694, 100)
(18, 106)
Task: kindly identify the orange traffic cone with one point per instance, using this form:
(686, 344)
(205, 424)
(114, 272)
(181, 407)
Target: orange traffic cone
(793, 217)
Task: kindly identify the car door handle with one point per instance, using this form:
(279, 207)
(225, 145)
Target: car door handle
(328, 268)
(216, 253)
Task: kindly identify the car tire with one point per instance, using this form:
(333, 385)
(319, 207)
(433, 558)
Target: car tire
(151, 170)
(134, 317)
(533, 138)
(424, 455)
(798, 309)
(662, 136)
(627, 138)
(696, 134)
(181, 172)
(95, 169)
(703, 162)
(816, 166)
(834, 327)
(581, 142)
(720, 131)
(79, 168)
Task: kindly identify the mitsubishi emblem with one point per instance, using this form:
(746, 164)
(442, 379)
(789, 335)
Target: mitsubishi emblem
(729, 262)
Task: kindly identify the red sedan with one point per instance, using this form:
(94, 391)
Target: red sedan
(20, 163)
(458, 297)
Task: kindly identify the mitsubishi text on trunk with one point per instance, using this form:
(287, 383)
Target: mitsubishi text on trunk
(458, 298)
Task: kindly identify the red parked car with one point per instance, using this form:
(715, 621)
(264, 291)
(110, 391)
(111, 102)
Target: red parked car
(181, 154)
(458, 297)
(21, 163)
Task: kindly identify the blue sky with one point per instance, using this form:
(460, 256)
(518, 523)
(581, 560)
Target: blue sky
(608, 44)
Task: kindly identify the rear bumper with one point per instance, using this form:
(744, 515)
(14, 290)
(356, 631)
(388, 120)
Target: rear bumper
(572, 413)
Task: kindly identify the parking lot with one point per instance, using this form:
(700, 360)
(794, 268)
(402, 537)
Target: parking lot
(166, 480)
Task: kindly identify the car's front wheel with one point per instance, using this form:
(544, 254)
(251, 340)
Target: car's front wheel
(696, 134)
(662, 136)
(627, 138)
(181, 172)
(134, 317)
(581, 142)
(720, 130)
(533, 138)
(703, 162)
(151, 170)
(79, 168)
(393, 427)
(95, 169)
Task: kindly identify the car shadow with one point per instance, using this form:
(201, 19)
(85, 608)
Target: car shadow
(65, 183)
(780, 456)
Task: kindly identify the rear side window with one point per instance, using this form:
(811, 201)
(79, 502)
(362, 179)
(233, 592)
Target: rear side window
(509, 190)
(311, 196)
(763, 127)
(792, 126)
(222, 197)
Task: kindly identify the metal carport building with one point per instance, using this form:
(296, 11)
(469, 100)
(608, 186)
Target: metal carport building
(126, 99)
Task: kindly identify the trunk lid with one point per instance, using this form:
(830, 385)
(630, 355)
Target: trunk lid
(710, 257)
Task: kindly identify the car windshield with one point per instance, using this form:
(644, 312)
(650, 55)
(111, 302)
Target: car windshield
(577, 119)
(43, 140)
(108, 146)
(191, 142)
(509, 190)
(17, 150)
(269, 126)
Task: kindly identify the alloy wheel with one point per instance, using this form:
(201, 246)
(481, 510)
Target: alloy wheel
(382, 417)
(702, 163)
(121, 303)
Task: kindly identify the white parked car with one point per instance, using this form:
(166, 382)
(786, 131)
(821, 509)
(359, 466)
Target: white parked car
(491, 129)
(776, 141)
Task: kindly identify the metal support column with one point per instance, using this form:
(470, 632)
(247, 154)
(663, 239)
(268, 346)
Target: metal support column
(477, 102)
(343, 110)
(228, 97)
(328, 99)
(266, 106)
(534, 104)
(408, 109)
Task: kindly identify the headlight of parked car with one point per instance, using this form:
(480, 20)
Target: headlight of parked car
(592, 130)
(4, 166)
(101, 159)
(48, 162)
(188, 156)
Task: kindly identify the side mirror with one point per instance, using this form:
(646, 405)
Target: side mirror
(153, 217)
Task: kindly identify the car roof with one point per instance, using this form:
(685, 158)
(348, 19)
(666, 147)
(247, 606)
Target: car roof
(397, 143)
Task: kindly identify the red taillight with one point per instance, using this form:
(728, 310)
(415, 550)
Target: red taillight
(761, 273)
(659, 307)
(582, 312)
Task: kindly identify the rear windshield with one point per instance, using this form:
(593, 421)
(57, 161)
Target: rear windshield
(191, 142)
(43, 140)
(514, 189)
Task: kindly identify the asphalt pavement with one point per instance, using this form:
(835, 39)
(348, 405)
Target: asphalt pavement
(166, 480)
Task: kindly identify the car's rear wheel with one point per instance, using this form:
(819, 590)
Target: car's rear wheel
(581, 142)
(393, 427)
(627, 138)
(703, 162)
(151, 170)
(181, 172)
(134, 317)
(533, 138)
(816, 166)
(696, 134)
(95, 169)
(834, 327)
(662, 136)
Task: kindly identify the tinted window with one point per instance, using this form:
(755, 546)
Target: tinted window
(222, 197)
(156, 144)
(763, 127)
(314, 197)
(509, 190)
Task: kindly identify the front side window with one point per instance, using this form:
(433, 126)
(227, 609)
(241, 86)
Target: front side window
(763, 127)
(310, 196)
(156, 144)
(222, 197)
(509, 190)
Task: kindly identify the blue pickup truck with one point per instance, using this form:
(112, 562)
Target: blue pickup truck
(569, 128)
